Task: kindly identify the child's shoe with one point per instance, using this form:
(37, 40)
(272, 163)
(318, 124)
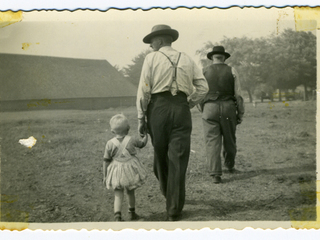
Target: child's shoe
(117, 217)
(133, 215)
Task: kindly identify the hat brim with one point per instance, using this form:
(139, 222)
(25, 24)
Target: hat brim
(171, 32)
(209, 55)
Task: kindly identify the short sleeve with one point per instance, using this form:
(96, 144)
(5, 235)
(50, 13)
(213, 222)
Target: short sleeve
(108, 151)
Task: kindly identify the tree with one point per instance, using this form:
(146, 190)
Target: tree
(291, 61)
(118, 69)
(133, 71)
(297, 58)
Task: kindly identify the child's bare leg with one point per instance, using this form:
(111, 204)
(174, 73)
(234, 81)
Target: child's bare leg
(131, 198)
(132, 203)
(118, 199)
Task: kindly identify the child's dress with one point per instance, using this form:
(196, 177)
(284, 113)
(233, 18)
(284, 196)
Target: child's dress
(125, 169)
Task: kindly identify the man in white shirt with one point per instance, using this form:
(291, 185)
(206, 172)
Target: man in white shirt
(170, 84)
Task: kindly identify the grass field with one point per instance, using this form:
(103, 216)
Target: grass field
(60, 178)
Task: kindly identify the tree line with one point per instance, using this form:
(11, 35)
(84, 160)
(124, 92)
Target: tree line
(275, 63)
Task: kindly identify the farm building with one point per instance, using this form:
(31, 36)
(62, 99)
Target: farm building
(39, 82)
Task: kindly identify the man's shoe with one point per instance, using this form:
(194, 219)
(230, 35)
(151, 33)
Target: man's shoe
(233, 170)
(217, 179)
(173, 218)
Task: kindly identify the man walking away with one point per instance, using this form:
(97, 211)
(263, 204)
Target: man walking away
(170, 84)
(222, 110)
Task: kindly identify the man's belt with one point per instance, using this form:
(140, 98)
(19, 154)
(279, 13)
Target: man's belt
(168, 93)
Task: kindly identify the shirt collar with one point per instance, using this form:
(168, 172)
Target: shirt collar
(166, 48)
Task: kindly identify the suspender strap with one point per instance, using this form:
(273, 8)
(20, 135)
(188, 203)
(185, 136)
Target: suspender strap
(175, 68)
(121, 146)
(175, 65)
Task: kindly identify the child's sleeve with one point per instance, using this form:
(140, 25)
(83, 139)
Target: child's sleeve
(108, 152)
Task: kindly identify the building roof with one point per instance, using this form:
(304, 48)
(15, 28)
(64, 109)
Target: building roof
(24, 77)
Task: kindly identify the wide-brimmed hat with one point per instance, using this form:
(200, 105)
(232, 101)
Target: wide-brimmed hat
(218, 50)
(161, 29)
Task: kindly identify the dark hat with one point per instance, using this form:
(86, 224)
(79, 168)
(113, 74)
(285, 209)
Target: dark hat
(218, 50)
(161, 29)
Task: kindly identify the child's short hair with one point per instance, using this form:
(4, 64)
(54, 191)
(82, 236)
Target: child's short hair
(119, 124)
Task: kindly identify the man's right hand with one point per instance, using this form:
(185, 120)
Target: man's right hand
(239, 118)
(142, 127)
(104, 181)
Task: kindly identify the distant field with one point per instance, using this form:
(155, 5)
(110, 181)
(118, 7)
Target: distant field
(60, 178)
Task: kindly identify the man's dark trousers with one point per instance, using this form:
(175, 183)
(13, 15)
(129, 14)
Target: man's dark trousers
(169, 124)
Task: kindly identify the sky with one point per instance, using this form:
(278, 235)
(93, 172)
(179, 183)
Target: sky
(116, 35)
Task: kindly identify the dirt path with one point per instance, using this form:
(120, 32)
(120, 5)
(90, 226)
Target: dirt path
(60, 178)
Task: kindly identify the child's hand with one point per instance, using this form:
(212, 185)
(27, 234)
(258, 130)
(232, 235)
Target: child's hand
(145, 138)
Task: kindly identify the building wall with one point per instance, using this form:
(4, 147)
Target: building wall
(76, 103)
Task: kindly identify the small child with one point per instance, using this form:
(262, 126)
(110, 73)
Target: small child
(121, 168)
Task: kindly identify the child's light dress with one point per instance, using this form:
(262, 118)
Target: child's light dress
(125, 169)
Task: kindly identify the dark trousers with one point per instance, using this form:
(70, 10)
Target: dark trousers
(169, 124)
(219, 125)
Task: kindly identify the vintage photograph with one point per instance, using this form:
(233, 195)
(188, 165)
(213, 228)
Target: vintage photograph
(162, 116)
